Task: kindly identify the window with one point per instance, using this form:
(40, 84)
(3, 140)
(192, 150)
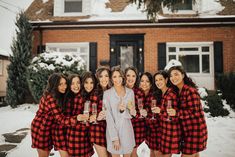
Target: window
(196, 57)
(71, 6)
(185, 5)
(82, 49)
(1, 67)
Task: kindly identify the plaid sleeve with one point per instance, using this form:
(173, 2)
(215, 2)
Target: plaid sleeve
(58, 115)
(190, 104)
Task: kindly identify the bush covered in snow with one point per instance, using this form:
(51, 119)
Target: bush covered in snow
(47, 63)
(225, 82)
(215, 106)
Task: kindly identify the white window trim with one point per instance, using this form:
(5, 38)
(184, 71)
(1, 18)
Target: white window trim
(193, 44)
(195, 9)
(59, 9)
(71, 45)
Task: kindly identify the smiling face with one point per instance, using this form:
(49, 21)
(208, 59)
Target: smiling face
(130, 78)
(177, 78)
(160, 82)
(104, 79)
(117, 79)
(88, 85)
(75, 85)
(145, 83)
(62, 86)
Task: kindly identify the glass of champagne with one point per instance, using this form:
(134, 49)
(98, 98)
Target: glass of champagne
(169, 106)
(86, 109)
(140, 106)
(94, 111)
(153, 104)
(104, 105)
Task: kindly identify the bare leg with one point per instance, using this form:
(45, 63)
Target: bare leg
(157, 153)
(127, 155)
(193, 155)
(152, 153)
(43, 153)
(101, 151)
(115, 155)
(63, 153)
(134, 153)
(167, 155)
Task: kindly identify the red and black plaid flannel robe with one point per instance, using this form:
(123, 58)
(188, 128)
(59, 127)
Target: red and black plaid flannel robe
(43, 125)
(154, 129)
(170, 126)
(98, 131)
(192, 121)
(139, 124)
(78, 141)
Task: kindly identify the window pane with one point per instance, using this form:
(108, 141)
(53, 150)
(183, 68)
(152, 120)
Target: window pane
(72, 6)
(189, 49)
(126, 56)
(68, 49)
(172, 49)
(184, 5)
(172, 57)
(205, 64)
(205, 49)
(85, 58)
(190, 63)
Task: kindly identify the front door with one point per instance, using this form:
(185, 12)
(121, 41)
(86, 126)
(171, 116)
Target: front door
(127, 50)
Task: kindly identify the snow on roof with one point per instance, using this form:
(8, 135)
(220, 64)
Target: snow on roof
(4, 53)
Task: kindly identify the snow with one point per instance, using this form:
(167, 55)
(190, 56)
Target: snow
(220, 142)
(210, 7)
(4, 52)
(202, 92)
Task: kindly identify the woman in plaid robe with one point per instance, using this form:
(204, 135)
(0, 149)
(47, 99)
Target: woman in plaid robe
(48, 114)
(153, 126)
(78, 144)
(139, 124)
(98, 131)
(169, 122)
(191, 114)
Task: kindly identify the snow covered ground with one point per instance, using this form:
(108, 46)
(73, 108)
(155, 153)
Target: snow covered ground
(221, 140)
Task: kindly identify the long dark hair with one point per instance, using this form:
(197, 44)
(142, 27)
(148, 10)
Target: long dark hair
(99, 89)
(52, 88)
(85, 76)
(149, 76)
(187, 80)
(136, 73)
(118, 69)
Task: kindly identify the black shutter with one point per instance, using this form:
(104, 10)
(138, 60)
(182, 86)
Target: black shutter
(161, 56)
(113, 54)
(93, 57)
(41, 49)
(218, 57)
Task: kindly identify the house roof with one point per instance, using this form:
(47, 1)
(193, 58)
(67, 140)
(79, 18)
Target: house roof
(120, 10)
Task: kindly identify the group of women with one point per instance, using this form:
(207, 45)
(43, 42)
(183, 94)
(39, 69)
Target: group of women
(115, 111)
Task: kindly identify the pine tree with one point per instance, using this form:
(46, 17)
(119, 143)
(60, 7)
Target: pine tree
(154, 7)
(17, 86)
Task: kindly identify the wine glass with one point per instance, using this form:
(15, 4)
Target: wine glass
(94, 111)
(169, 106)
(140, 106)
(86, 109)
(153, 104)
(130, 104)
(104, 105)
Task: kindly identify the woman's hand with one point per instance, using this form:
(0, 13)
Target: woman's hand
(116, 145)
(92, 118)
(156, 110)
(171, 112)
(143, 112)
(82, 117)
(133, 111)
(101, 116)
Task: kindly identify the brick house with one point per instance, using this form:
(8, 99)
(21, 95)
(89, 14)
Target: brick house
(113, 32)
(4, 62)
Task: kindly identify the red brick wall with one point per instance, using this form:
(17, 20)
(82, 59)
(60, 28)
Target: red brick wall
(151, 38)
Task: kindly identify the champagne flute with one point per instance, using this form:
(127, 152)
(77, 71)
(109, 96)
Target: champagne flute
(130, 104)
(104, 105)
(86, 109)
(140, 106)
(169, 106)
(94, 111)
(153, 104)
